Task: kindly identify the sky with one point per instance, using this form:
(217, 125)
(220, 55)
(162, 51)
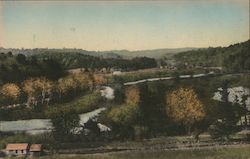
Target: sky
(116, 25)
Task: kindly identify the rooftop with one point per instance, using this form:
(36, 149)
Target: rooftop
(36, 147)
(17, 146)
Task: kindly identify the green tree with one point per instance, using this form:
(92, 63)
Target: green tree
(64, 123)
(124, 117)
(152, 109)
(228, 115)
(21, 58)
(244, 104)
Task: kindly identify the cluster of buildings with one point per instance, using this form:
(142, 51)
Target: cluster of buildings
(23, 149)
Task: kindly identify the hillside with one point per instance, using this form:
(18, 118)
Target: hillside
(37, 51)
(78, 60)
(234, 57)
(14, 68)
(155, 53)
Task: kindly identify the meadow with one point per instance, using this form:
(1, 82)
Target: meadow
(238, 152)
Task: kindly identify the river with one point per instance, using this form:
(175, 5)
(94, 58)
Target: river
(167, 78)
(38, 126)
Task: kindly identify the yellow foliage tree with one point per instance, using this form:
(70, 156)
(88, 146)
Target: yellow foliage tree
(99, 79)
(65, 85)
(183, 106)
(11, 91)
(36, 88)
(82, 80)
(132, 95)
(74, 82)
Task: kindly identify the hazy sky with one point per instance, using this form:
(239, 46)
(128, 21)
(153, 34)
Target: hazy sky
(128, 25)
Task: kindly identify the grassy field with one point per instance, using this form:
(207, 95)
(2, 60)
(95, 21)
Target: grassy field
(82, 104)
(151, 73)
(239, 152)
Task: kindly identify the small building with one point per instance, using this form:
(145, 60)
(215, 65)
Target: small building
(35, 149)
(17, 149)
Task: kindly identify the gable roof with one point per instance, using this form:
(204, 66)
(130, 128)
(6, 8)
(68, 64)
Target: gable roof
(36, 147)
(19, 146)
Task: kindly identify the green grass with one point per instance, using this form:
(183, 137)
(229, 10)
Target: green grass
(129, 77)
(82, 104)
(220, 153)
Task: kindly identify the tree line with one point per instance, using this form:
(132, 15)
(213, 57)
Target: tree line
(37, 93)
(234, 58)
(17, 68)
(78, 60)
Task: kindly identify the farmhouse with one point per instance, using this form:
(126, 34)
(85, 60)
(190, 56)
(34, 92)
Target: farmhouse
(23, 149)
(17, 149)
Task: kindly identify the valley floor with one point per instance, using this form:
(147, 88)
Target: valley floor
(221, 152)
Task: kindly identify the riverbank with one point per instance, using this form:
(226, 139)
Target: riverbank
(39, 126)
(186, 76)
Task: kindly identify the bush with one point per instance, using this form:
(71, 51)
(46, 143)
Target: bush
(222, 130)
(141, 132)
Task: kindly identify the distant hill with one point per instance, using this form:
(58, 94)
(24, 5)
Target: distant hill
(157, 53)
(234, 57)
(78, 60)
(29, 52)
